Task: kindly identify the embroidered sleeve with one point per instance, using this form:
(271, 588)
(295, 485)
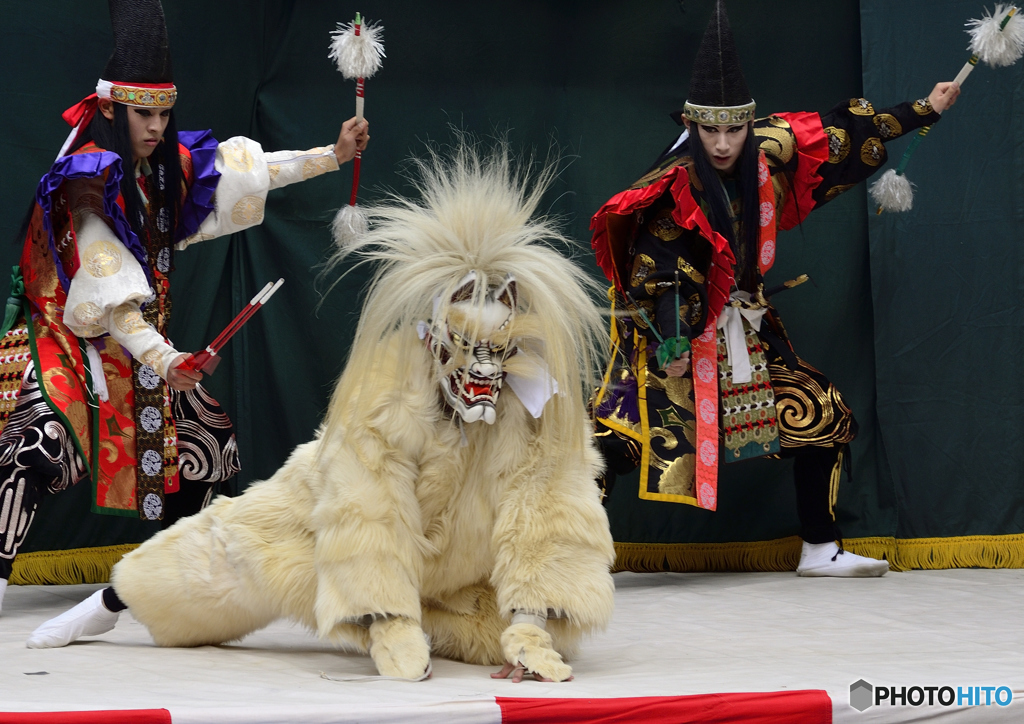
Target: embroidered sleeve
(106, 291)
(247, 173)
(857, 134)
(288, 167)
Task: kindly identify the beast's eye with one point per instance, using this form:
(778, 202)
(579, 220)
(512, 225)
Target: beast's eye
(459, 340)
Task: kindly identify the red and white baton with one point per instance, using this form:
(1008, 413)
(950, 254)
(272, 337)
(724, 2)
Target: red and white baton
(207, 360)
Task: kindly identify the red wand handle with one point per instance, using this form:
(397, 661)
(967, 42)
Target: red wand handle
(358, 159)
(208, 359)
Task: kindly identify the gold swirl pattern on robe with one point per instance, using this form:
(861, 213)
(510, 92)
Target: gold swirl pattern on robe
(808, 414)
(677, 477)
(776, 141)
(643, 265)
(102, 259)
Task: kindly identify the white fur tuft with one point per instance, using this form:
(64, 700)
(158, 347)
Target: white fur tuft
(994, 46)
(893, 192)
(348, 226)
(358, 56)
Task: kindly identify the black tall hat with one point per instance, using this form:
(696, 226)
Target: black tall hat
(718, 90)
(141, 51)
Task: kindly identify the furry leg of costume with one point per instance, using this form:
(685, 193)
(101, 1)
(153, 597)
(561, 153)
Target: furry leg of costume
(230, 569)
(89, 618)
(399, 648)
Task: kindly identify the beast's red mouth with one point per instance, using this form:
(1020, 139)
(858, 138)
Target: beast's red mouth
(473, 390)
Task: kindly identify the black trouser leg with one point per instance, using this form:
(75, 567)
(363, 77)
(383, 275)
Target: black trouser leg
(813, 475)
(21, 491)
(111, 602)
(189, 500)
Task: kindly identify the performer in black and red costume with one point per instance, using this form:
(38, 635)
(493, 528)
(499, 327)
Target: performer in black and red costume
(703, 370)
(90, 386)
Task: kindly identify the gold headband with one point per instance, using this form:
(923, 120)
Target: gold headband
(719, 115)
(161, 95)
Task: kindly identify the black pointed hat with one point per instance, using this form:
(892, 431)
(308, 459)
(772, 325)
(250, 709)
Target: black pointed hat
(141, 51)
(718, 90)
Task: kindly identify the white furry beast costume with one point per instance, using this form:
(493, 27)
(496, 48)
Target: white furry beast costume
(398, 518)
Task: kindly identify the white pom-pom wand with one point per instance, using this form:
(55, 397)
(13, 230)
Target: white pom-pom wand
(893, 192)
(358, 51)
(998, 41)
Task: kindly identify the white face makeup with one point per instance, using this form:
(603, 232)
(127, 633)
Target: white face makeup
(722, 144)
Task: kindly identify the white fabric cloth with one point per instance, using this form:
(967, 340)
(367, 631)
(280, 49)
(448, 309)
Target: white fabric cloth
(3, 590)
(247, 173)
(99, 380)
(532, 383)
(731, 322)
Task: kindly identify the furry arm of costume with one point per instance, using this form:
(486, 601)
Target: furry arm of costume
(550, 536)
(369, 537)
(247, 173)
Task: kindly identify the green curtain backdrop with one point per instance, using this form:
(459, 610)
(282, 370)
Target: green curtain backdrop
(914, 321)
(947, 279)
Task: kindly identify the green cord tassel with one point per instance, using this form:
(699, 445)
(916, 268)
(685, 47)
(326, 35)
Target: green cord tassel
(14, 300)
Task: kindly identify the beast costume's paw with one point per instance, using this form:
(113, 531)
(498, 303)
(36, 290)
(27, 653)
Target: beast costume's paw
(528, 647)
(399, 648)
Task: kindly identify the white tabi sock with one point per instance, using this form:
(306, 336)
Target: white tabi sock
(826, 559)
(89, 618)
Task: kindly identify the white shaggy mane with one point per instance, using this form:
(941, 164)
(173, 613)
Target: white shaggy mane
(476, 211)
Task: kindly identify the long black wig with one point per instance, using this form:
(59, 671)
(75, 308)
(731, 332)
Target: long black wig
(744, 244)
(113, 135)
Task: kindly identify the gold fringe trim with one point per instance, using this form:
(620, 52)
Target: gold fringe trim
(92, 565)
(783, 554)
(969, 551)
(75, 565)
(769, 555)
